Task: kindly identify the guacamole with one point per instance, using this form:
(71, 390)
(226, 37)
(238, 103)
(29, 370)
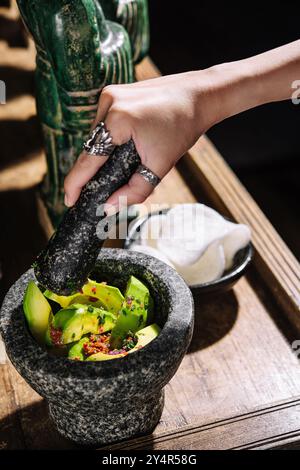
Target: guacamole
(98, 323)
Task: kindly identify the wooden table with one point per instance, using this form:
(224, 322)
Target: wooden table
(239, 385)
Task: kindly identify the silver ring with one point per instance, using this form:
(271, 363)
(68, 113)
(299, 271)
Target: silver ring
(148, 175)
(99, 142)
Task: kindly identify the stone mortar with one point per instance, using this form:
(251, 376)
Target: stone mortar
(97, 403)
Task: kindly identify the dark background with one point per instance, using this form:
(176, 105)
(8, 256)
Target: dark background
(261, 145)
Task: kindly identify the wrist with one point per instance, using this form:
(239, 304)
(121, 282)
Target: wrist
(227, 89)
(224, 90)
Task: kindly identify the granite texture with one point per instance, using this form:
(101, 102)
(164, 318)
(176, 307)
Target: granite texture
(64, 265)
(96, 403)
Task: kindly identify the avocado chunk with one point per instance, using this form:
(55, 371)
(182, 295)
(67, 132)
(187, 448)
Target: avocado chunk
(78, 320)
(133, 313)
(76, 350)
(62, 300)
(145, 336)
(61, 318)
(48, 339)
(37, 310)
(104, 357)
(87, 300)
(109, 296)
(78, 298)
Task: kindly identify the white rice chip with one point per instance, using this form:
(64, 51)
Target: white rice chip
(189, 229)
(151, 230)
(148, 250)
(194, 239)
(208, 268)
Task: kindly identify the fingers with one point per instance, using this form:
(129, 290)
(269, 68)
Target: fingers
(134, 192)
(105, 102)
(85, 167)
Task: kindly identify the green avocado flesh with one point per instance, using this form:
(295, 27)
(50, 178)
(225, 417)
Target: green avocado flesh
(76, 350)
(133, 313)
(99, 294)
(144, 337)
(96, 324)
(37, 310)
(62, 300)
(104, 357)
(86, 300)
(110, 296)
(78, 320)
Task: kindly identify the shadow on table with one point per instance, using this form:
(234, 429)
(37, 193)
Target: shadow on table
(288, 330)
(18, 81)
(12, 31)
(19, 139)
(214, 318)
(21, 235)
(31, 428)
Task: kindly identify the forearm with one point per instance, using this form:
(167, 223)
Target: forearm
(165, 116)
(238, 86)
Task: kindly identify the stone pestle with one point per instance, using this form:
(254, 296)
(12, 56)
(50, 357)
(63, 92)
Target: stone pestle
(64, 265)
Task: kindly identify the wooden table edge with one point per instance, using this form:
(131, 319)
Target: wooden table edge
(207, 436)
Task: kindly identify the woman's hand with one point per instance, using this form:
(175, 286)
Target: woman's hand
(165, 116)
(164, 119)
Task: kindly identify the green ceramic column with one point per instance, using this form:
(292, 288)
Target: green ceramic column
(133, 15)
(82, 46)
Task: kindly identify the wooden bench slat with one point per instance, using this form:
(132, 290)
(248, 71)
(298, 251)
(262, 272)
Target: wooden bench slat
(275, 262)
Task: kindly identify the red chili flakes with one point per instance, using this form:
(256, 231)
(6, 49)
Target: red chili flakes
(97, 343)
(56, 336)
(106, 337)
(94, 348)
(93, 299)
(100, 343)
